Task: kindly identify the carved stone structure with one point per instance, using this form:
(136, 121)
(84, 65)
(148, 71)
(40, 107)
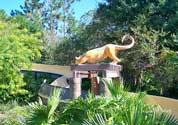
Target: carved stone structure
(94, 72)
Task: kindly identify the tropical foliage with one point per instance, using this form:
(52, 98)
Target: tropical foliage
(44, 114)
(18, 48)
(12, 113)
(120, 109)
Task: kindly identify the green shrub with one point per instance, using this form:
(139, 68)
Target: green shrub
(18, 48)
(122, 108)
(13, 114)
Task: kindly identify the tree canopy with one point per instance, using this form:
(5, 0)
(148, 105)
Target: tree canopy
(154, 27)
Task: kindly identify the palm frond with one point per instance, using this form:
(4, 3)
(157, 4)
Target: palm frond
(167, 119)
(53, 102)
(98, 119)
(114, 88)
(44, 114)
(38, 114)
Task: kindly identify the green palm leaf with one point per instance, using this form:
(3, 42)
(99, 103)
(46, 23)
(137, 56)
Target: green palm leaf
(38, 114)
(53, 102)
(98, 119)
(44, 114)
(116, 89)
(167, 119)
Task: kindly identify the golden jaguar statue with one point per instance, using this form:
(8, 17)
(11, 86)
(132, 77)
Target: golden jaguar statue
(108, 50)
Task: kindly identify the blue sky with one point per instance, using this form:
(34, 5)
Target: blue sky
(79, 7)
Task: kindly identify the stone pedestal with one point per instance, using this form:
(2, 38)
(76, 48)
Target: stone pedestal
(95, 86)
(75, 87)
(92, 71)
(103, 87)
